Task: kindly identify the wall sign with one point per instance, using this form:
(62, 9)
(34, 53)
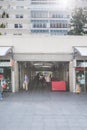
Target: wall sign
(5, 64)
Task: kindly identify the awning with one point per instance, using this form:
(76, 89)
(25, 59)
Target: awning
(4, 50)
(81, 50)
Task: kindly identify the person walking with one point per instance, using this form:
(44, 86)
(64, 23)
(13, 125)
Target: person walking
(48, 80)
(26, 82)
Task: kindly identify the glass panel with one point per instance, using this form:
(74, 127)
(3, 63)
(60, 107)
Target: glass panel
(6, 72)
(80, 78)
(86, 78)
(80, 63)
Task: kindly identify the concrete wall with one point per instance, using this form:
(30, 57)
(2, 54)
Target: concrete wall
(43, 44)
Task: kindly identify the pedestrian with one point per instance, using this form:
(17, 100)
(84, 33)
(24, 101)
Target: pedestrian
(1, 91)
(41, 80)
(48, 80)
(37, 79)
(26, 82)
(78, 85)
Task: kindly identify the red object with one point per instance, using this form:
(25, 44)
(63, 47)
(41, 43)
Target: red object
(4, 86)
(59, 85)
(1, 76)
(79, 68)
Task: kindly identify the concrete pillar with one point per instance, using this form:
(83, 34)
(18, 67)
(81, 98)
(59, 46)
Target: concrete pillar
(15, 79)
(74, 80)
(72, 77)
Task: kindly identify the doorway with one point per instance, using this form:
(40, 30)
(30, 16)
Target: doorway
(59, 71)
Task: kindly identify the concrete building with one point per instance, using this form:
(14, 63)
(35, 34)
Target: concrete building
(15, 16)
(64, 56)
(60, 55)
(18, 17)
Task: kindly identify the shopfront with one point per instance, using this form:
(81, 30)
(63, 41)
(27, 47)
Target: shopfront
(80, 56)
(81, 75)
(5, 74)
(6, 68)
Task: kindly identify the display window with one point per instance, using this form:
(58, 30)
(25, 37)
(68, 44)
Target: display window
(81, 76)
(5, 77)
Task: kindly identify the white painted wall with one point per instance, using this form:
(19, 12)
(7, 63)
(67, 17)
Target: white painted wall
(43, 44)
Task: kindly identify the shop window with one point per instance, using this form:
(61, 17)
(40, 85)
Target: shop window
(5, 74)
(80, 78)
(81, 75)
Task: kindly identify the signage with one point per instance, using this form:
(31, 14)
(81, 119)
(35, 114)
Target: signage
(5, 64)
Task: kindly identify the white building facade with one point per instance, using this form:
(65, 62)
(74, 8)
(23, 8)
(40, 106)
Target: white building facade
(47, 17)
(18, 17)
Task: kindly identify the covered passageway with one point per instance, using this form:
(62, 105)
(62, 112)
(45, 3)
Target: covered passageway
(55, 71)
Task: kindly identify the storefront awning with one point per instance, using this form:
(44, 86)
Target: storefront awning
(4, 50)
(81, 50)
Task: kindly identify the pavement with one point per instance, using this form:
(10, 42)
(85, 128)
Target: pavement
(43, 110)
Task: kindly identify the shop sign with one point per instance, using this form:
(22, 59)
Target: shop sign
(4, 64)
(79, 68)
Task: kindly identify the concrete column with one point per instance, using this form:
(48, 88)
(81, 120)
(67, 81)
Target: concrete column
(13, 81)
(16, 77)
(74, 80)
(15, 84)
(72, 77)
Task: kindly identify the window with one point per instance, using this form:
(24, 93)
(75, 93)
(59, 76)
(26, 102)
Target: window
(39, 14)
(19, 16)
(39, 25)
(39, 31)
(19, 7)
(58, 32)
(58, 24)
(18, 26)
(0, 7)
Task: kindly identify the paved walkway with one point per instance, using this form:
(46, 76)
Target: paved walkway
(43, 110)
